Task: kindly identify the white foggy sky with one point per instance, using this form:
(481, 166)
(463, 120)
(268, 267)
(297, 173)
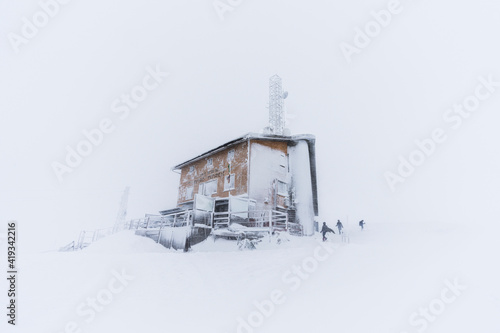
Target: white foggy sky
(364, 114)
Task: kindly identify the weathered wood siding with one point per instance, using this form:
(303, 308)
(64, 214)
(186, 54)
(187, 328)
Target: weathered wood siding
(202, 173)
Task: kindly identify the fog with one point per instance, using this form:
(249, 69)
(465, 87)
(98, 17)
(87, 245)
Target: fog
(365, 107)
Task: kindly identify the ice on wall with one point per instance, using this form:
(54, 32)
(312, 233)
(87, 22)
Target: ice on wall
(169, 237)
(264, 169)
(301, 180)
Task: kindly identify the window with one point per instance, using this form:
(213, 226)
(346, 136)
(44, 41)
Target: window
(282, 188)
(229, 182)
(191, 169)
(230, 155)
(210, 162)
(208, 188)
(189, 193)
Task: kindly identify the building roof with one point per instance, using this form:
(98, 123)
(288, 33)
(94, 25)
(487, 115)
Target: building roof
(309, 138)
(244, 138)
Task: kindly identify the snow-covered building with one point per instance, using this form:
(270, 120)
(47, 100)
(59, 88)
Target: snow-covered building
(256, 181)
(256, 184)
(254, 173)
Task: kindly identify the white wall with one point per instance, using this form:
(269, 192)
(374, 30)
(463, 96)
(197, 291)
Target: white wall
(264, 169)
(301, 180)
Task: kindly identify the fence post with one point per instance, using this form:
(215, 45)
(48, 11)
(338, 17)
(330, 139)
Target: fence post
(286, 220)
(78, 245)
(159, 234)
(270, 224)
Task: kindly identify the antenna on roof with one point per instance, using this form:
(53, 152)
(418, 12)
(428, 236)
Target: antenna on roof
(277, 118)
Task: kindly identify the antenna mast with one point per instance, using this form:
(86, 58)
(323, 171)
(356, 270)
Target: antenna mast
(276, 106)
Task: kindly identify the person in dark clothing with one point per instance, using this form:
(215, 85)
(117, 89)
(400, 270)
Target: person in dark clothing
(339, 226)
(362, 224)
(324, 230)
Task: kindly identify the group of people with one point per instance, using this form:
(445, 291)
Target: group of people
(325, 229)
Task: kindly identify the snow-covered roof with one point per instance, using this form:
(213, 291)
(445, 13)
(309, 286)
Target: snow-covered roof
(307, 137)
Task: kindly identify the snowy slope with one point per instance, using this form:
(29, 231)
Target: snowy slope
(373, 284)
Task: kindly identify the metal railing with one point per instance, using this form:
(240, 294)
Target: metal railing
(88, 237)
(69, 247)
(272, 219)
(180, 219)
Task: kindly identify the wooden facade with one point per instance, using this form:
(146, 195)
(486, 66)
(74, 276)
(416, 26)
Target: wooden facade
(217, 167)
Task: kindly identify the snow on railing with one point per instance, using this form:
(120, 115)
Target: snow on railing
(69, 247)
(264, 219)
(87, 237)
(272, 219)
(171, 230)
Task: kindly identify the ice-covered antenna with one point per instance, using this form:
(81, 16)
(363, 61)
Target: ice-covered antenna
(122, 212)
(276, 106)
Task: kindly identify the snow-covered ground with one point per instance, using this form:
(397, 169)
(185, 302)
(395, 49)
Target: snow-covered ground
(389, 278)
